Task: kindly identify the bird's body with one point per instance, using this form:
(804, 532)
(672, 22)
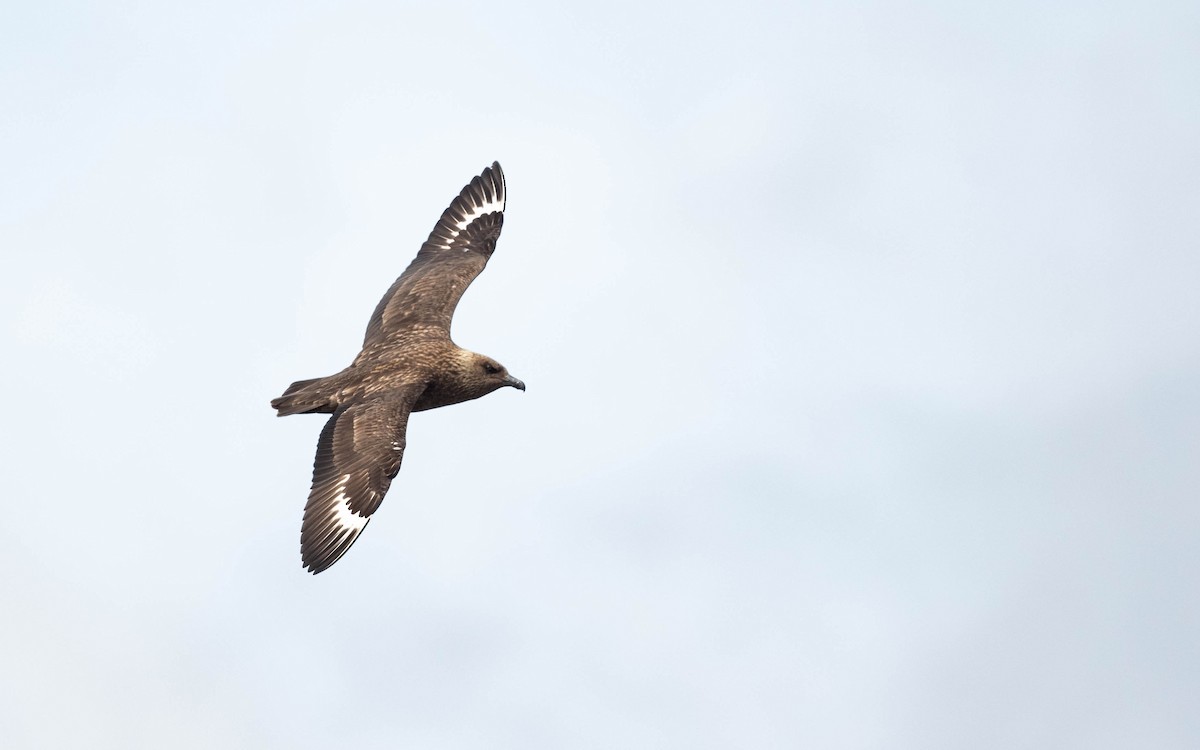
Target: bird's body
(408, 363)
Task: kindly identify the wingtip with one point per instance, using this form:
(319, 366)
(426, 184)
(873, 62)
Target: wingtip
(496, 172)
(320, 552)
(323, 560)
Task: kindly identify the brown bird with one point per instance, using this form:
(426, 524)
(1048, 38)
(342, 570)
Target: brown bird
(408, 363)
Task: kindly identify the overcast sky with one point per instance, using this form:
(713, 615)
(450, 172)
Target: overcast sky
(862, 345)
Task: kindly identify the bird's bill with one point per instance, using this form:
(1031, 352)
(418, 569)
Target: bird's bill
(510, 380)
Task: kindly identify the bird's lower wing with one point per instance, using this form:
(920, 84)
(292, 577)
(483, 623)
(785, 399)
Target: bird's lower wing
(357, 456)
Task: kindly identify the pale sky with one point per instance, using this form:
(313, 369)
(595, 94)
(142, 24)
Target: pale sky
(861, 345)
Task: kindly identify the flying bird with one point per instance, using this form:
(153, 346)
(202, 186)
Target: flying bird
(408, 363)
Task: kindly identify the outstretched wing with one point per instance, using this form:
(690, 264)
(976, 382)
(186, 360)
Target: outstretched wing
(357, 456)
(455, 253)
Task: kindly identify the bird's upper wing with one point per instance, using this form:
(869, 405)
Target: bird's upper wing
(357, 456)
(455, 253)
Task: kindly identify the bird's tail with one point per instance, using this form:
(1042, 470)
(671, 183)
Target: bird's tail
(304, 397)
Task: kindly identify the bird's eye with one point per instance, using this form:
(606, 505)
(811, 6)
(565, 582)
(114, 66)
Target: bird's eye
(490, 369)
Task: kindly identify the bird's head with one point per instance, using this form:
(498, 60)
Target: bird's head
(485, 375)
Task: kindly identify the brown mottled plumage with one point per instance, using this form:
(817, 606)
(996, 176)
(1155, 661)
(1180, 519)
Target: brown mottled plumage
(408, 363)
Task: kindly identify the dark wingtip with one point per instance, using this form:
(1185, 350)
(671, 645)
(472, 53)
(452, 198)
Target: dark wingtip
(320, 553)
(322, 562)
(496, 174)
